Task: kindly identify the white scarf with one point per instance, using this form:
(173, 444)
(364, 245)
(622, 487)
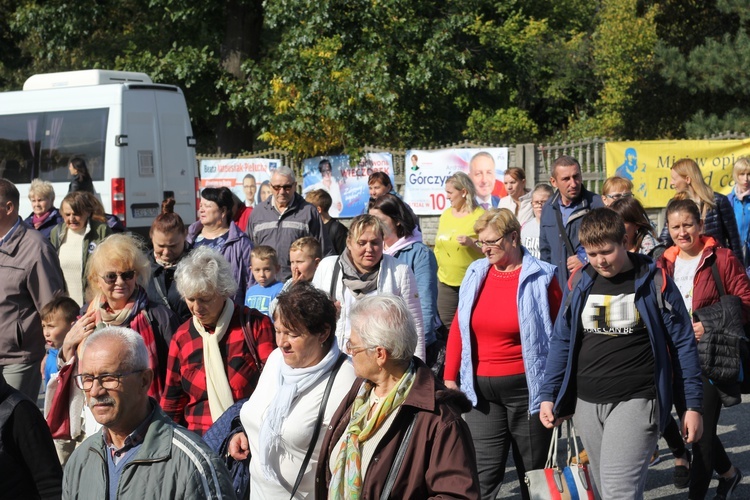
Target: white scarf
(292, 381)
(219, 392)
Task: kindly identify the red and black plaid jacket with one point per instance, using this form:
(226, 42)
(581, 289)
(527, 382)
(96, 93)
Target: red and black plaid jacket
(185, 399)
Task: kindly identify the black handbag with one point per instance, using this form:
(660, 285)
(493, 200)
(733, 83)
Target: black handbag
(723, 344)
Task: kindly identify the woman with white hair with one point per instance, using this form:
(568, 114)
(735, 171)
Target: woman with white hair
(211, 365)
(44, 216)
(397, 422)
(364, 270)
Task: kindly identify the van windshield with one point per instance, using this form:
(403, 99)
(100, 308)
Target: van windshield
(41, 144)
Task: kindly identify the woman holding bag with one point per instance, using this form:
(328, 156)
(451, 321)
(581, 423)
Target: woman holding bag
(692, 263)
(280, 418)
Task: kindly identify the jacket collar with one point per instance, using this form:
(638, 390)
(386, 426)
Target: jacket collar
(14, 239)
(671, 253)
(422, 395)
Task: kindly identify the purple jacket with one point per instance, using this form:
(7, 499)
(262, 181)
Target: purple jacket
(237, 252)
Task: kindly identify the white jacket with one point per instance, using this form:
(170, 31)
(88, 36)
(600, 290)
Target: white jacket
(395, 278)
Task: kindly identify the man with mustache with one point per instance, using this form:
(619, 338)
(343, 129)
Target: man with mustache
(140, 452)
(562, 215)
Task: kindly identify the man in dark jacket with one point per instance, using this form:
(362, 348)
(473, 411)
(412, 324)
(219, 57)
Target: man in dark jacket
(561, 218)
(29, 467)
(284, 218)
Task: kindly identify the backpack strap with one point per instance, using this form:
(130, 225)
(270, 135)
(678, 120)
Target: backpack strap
(335, 277)
(9, 405)
(573, 281)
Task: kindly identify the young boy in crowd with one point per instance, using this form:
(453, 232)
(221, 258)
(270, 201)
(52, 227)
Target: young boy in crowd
(265, 266)
(58, 317)
(337, 232)
(304, 257)
(622, 348)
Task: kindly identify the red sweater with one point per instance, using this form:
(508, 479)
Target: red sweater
(495, 332)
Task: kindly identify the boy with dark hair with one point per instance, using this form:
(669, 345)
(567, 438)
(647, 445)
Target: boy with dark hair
(265, 267)
(337, 232)
(622, 348)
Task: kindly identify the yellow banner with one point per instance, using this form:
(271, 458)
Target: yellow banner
(648, 163)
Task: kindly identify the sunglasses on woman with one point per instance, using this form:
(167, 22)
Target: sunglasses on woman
(111, 278)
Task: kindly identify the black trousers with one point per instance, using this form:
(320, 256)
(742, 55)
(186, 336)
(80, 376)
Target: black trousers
(501, 421)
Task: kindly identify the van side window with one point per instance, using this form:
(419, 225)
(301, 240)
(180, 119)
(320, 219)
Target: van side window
(41, 144)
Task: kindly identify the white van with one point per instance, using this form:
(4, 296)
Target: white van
(134, 135)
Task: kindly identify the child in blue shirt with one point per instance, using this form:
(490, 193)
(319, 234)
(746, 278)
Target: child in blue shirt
(265, 267)
(58, 317)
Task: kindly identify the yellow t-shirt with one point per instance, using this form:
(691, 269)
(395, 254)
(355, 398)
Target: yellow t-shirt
(452, 257)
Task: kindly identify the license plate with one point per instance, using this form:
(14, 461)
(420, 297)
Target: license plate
(145, 212)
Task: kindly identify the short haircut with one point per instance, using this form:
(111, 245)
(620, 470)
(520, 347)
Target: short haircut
(501, 220)
(601, 226)
(319, 198)
(133, 355)
(205, 271)
(683, 203)
(63, 305)
(543, 187)
(380, 177)
(564, 161)
(310, 245)
(616, 183)
(461, 181)
(286, 172)
(9, 192)
(123, 250)
(264, 252)
(40, 188)
(305, 308)
(248, 176)
(168, 222)
(324, 163)
(741, 166)
(384, 321)
(516, 173)
(481, 154)
(222, 196)
(363, 222)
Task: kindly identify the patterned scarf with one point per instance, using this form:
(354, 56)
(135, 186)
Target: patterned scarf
(357, 283)
(134, 316)
(346, 480)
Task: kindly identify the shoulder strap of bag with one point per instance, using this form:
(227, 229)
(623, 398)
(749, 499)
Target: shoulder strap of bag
(318, 422)
(336, 270)
(8, 405)
(396, 466)
(563, 233)
(247, 330)
(717, 279)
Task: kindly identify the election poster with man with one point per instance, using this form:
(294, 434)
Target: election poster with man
(425, 173)
(647, 164)
(346, 183)
(248, 178)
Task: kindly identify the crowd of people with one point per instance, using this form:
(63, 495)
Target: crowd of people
(270, 351)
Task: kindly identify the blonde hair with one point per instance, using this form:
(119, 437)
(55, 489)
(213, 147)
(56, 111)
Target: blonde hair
(463, 182)
(699, 191)
(308, 244)
(124, 251)
(363, 222)
(501, 220)
(741, 166)
(264, 252)
(616, 184)
(42, 189)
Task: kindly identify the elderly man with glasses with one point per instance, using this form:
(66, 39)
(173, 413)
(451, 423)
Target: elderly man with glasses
(139, 452)
(284, 218)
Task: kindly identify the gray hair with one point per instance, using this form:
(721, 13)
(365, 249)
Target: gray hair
(42, 189)
(133, 354)
(384, 321)
(205, 271)
(286, 172)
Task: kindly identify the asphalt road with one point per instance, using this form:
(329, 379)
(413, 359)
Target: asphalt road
(734, 430)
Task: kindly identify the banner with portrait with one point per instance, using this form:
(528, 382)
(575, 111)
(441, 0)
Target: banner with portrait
(425, 174)
(345, 183)
(248, 178)
(647, 165)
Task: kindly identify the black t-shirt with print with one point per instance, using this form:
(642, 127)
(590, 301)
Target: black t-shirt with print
(615, 360)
